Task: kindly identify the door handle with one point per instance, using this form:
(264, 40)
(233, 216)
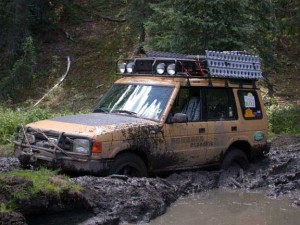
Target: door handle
(234, 128)
(201, 130)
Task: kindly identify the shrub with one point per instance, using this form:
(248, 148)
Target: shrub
(284, 118)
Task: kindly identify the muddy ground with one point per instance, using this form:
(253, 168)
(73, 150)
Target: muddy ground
(114, 200)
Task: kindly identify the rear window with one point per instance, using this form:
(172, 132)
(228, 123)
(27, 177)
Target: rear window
(250, 104)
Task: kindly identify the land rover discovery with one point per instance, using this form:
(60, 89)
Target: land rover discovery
(167, 112)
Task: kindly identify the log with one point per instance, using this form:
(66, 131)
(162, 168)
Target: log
(57, 84)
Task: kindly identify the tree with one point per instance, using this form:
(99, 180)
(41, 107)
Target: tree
(192, 26)
(137, 13)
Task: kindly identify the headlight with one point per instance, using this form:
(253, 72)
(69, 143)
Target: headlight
(122, 67)
(160, 69)
(171, 69)
(81, 146)
(130, 67)
(30, 138)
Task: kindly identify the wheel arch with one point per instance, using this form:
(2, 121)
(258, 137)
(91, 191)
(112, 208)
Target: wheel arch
(242, 145)
(139, 153)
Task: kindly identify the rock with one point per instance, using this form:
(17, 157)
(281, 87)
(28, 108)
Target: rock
(9, 163)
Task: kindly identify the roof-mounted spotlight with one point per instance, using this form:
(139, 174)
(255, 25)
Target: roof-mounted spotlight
(160, 68)
(130, 67)
(171, 69)
(122, 67)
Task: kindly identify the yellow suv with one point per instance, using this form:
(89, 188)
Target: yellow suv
(168, 112)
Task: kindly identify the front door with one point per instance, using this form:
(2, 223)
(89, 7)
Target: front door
(186, 142)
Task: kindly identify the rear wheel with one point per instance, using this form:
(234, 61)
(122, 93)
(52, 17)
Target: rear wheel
(235, 156)
(129, 164)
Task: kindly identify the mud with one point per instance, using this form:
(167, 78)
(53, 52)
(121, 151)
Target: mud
(278, 173)
(118, 199)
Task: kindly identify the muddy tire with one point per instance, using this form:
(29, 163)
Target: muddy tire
(233, 157)
(130, 165)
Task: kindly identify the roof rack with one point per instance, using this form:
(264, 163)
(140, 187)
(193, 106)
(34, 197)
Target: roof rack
(227, 64)
(233, 64)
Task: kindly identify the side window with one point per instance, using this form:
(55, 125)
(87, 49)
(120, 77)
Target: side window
(220, 104)
(189, 102)
(250, 104)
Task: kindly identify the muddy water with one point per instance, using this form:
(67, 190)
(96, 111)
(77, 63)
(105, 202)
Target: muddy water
(230, 208)
(216, 207)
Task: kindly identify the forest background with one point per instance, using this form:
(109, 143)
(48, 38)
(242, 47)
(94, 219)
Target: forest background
(37, 36)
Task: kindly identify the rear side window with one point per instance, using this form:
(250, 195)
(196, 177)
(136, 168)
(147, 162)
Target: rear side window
(220, 104)
(250, 104)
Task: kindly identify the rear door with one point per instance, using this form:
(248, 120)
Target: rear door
(222, 124)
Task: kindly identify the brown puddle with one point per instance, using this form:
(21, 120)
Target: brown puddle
(225, 207)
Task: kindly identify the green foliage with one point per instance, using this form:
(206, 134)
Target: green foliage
(10, 118)
(284, 118)
(21, 23)
(193, 26)
(22, 72)
(5, 208)
(137, 12)
(288, 22)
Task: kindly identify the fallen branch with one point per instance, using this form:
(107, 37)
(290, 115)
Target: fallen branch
(68, 35)
(56, 85)
(113, 19)
(235, 182)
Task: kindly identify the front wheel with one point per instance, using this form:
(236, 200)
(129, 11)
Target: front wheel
(129, 164)
(235, 156)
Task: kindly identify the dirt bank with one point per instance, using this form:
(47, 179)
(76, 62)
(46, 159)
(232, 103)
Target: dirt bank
(114, 200)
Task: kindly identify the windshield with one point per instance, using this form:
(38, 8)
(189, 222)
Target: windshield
(143, 101)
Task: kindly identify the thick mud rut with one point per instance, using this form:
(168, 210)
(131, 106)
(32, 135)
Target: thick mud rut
(114, 200)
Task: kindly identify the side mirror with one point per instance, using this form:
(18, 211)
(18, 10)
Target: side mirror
(180, 118)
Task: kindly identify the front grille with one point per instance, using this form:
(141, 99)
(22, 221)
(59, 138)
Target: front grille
(42, 139)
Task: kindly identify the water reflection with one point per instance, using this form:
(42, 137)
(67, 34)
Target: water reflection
(229, 208)
(65, 218)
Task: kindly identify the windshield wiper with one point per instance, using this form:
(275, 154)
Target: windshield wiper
(101, 110)
(125, 111)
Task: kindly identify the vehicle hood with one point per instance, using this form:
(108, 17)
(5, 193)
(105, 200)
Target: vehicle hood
(92, 124)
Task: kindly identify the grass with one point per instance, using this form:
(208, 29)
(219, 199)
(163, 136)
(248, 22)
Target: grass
(43, 181)
(6, 150)
(11, 118)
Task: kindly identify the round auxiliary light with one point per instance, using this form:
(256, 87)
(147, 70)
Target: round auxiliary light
(130, 67)
(122, 67)
(160, 68)
(171, 69)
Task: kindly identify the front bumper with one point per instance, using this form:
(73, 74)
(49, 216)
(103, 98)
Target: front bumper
(53, 154)
(65, 163)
